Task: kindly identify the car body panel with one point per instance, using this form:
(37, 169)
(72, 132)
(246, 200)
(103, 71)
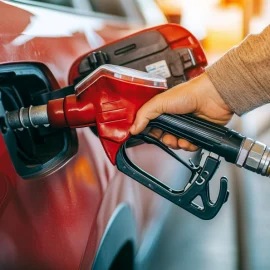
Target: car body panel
(57, 222)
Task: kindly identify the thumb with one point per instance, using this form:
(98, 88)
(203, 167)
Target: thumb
(150, 110)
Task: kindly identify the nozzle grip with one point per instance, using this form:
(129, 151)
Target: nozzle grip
(212, 137)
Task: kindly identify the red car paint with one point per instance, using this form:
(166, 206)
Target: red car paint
(57, 222)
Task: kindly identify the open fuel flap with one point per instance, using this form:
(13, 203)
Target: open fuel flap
(35, 152)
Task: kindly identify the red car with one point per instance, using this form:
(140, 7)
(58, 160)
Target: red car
(62, 204)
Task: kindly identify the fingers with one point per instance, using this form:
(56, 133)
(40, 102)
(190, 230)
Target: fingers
(177, 100)
(175, 143)
(185, 145)
(168, 139)
(150, 110)
(171, 141)
(156, 132)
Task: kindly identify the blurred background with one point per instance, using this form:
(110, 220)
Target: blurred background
(239, 237)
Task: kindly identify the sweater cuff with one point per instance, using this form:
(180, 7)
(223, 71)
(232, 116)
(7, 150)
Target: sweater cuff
(235, 83)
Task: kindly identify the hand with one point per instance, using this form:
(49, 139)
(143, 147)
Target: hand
(197, 96)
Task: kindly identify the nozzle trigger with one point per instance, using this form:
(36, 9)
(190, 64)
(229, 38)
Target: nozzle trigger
(198, 184)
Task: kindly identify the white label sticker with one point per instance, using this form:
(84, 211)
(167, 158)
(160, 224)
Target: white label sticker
(159, 68)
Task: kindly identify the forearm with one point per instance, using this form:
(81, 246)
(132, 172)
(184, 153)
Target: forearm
(242, 75)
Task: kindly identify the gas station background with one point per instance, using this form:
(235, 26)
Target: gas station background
(239, 237)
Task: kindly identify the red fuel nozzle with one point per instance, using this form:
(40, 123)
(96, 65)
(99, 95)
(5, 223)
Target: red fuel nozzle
(109, 98)
(108, 95)
(71, 111)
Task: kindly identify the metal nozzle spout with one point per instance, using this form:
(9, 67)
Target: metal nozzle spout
(33, 116)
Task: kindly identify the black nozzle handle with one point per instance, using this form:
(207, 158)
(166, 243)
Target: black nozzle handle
(207, 135)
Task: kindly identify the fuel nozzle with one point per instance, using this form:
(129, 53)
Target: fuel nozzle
(110, 98)
(34, 116)
(59, 113)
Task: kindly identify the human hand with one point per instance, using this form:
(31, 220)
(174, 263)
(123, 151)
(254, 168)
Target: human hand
(197, 96)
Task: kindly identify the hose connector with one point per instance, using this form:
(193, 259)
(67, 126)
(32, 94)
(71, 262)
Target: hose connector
(254, 156)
